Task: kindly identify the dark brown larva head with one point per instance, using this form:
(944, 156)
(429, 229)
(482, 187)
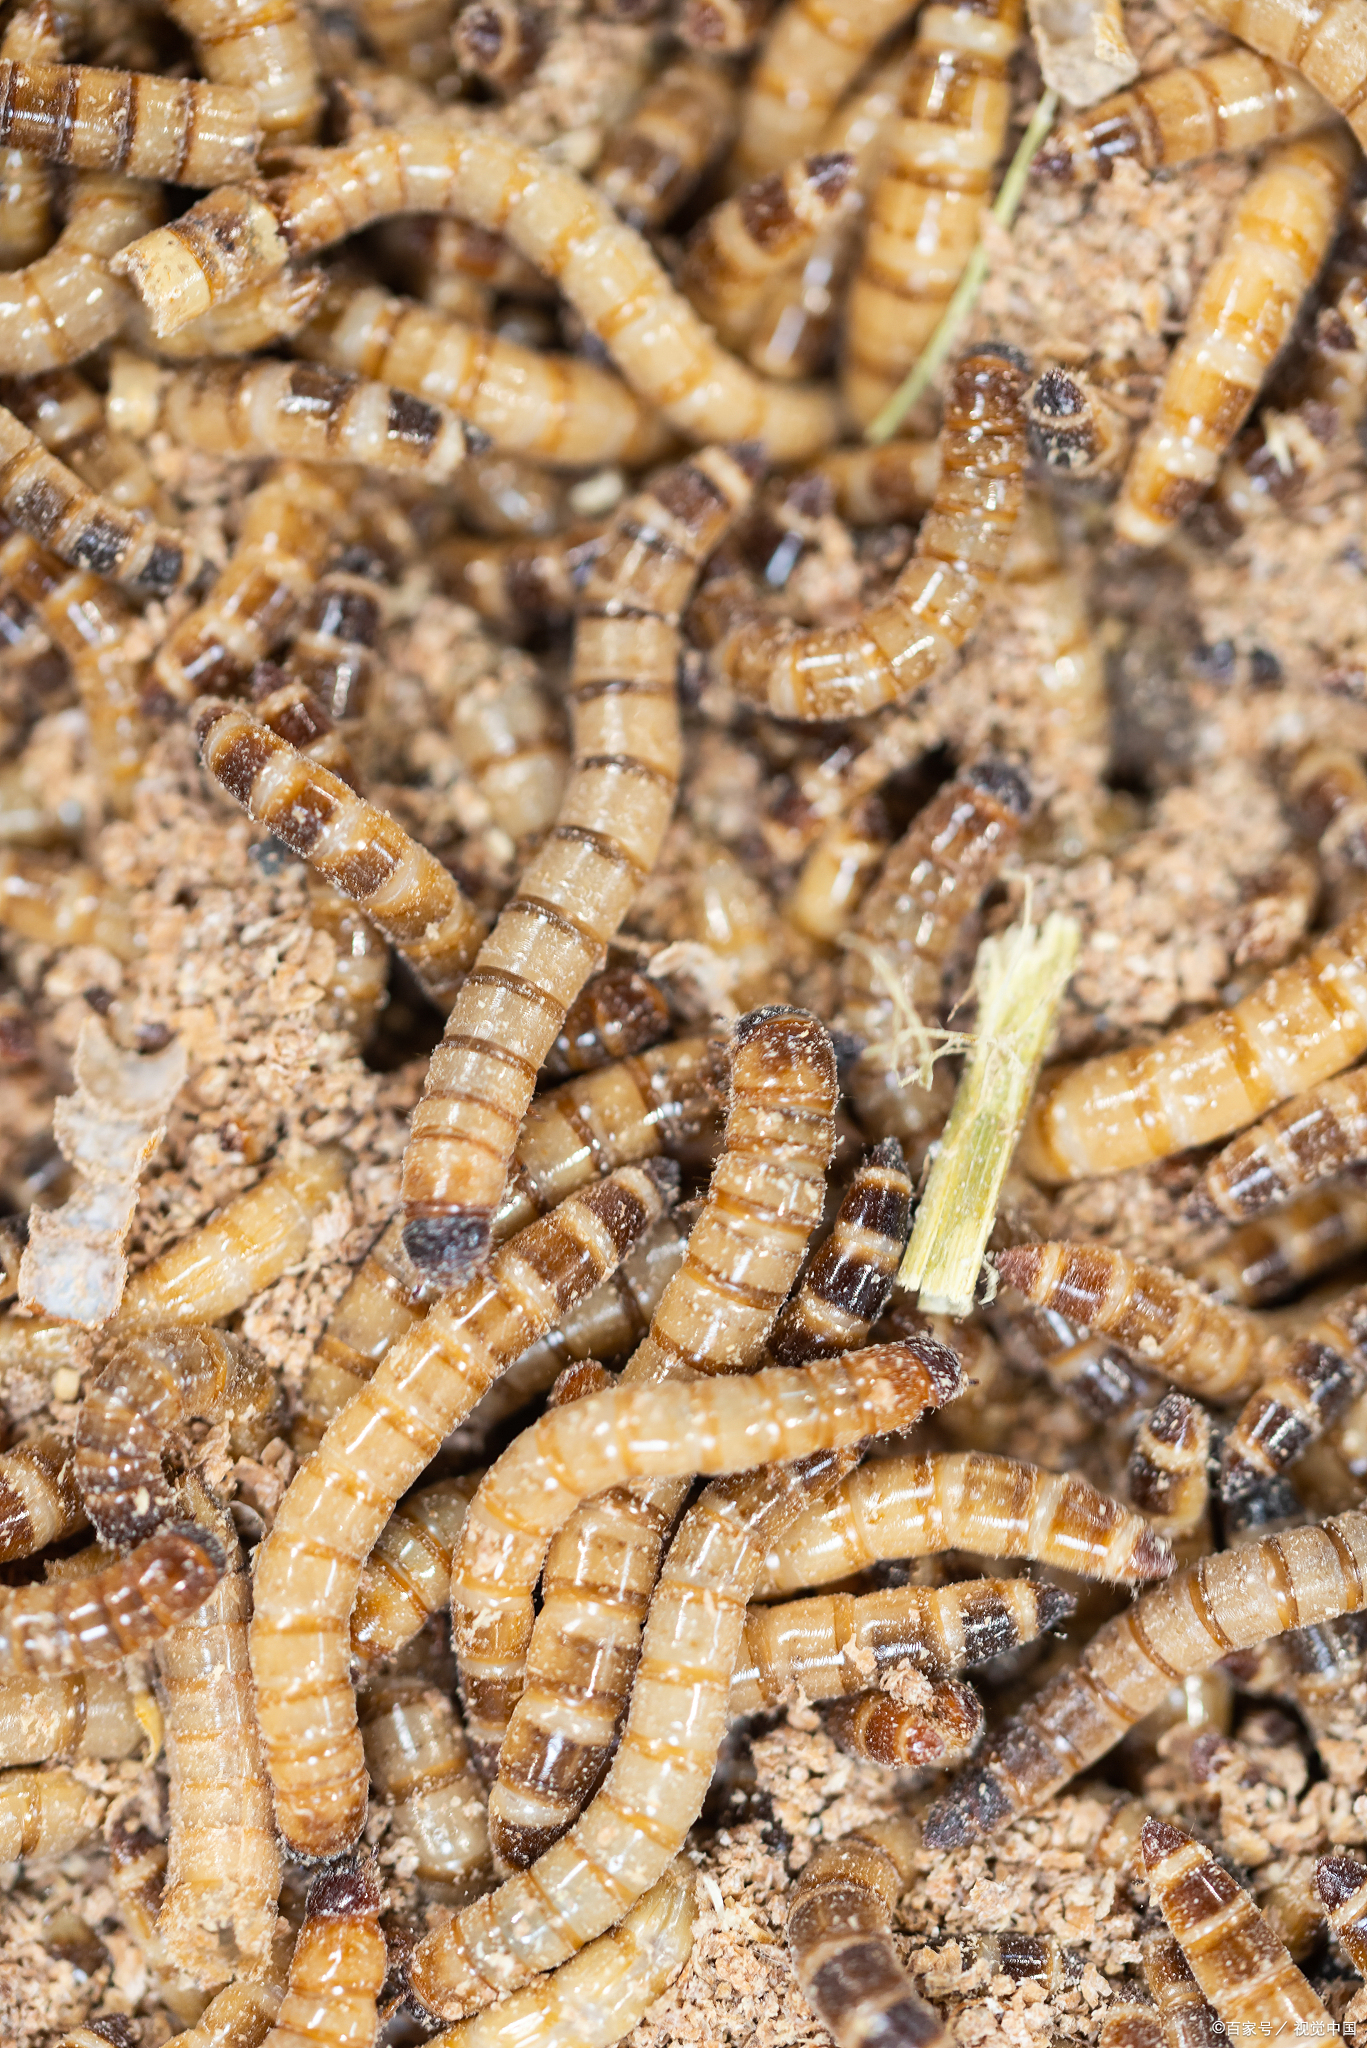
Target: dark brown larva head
(1003, 782)
(448, 1248)
(1338, 1879)
(1159, 1839)
(831, 173)
(786, 1038)
(349, 1891)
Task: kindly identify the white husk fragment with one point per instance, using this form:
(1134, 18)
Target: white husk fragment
(1082, 48)
(1020, 977)
(74, 1265)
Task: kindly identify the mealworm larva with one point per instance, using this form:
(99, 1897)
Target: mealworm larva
(624, 1840)
(411, 37)
(510, 740)
(1106, 1383)
(932, 1733)
(363, 852)
(40, 1501)
(1187, 2020)
(289, 709)
(558, 408)
(617, 1012)
(838, 870)
(522, 586)
(1201, 1345)
(1323, 49)
(1321, 1669)
(926, 208)
(137, 1872)
(766, 228)
(262, 47)
(681, 123)
(1169, 1479)
(1311, 1138)
(1308, 1385)
(1235, 101)
(68, 416)
(874, 485)
(455, 267)
(332, 648)
(25, 181)
(1072, 428)
(44, 1813)
(1072, 677)
(407, 1577)
(850, 1277)
(49, 502)
(1265, 1260)
(1243, 312)
(147, 127)
(272, 311)
(417, 1759)
(840, 1941)
(576, 890)
(68, 302)
(90, 1622)
(810, 55)
(332, 1514)
(499, 41)
(920, 1505)
(338, 1966)
(89, 1714)
(385, 1297)
(240, 2016)
(898, 645)
(1342, 1885)
(1026, 1959)
(722, 27)
(604, 267)
(1234, 1955)
(154, 1385)
(1231, 1601)
(834, 1643)
(1205, 1079)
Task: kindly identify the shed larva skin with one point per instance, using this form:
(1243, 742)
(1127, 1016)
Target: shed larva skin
(578, 887)
(89, 1714)
(1308, 1385)
(811, 53)
(309, 1566)
(1236, 101)
(917, 1505)
(68, 416)
(546, 212)
(623, 1841)
(154, 1385)
(559, 408)
(261, 47)
(1233, 1600)
(147, 127)
(1188, 2021)
(1205, 1079)
(338, 1966)
(418, 1761)
(362, 851)
(1342, 1885)
(898, 646)
(850, 1276)
(40, 1501)
(1311, 1138)
(51, 504)
(824, 1645)
(766, 228)
(93, 1622)
(68, 302)
(1201, 1345)
(617, 1012)
(940, 1730)
(1234, 1956)
(840, 1942)
(407, 1577)
(1169, 1480)
(1243, 312)
(45, 1813)
(681, 123)
(1263, 1261)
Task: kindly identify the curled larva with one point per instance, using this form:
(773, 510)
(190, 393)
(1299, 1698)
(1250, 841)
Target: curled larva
(262, 47)
(68, 415)
(48, 501)
(45, 1813)
(94, 1621)
(931, 1732)
(418, 1762)
(40, 1501)
(766, 228)
(811, 53)
(147, 127)
(1169, 1477)
(1311, 1138)
(840, 1940)
(68, 302)
(407, 1576)
(680, 124)
(338, 1965)
(88, 1714)
(838, 870)
(1265, 1260)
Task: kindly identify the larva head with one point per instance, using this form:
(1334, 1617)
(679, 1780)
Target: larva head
(1003, 782)
(347, 1891)
(578, 1381)
(786, 1053)
(178, 1569)
(1160, 1840)
(1342, 1885)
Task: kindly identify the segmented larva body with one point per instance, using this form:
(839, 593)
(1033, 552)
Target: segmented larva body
(931, 1733)
(1308, 1385)
(722, 27)
(89, 1714)
(290, 710)
(811, 54)
(49, 502)
(146, 127)
(26, 181)
(455, 267)
(62, 903)
(1242, 314)
(1025, 1959)
(766, 228)
(363, 852)
(669, 357)
(263, 48)
(1324, 1669)
(92, 1622)
(153, 1386)
(1236, 101)
(830, 1645)
(1265, 1260)
(1205, 1079)
(850, 1276)
(1187, 2020)
(897, 646)
(407, 1577)
(918, 1506)
(576, 890)
(522, 586)
(1323, 48)
(1230, 1601)
(624, 1840)
(308, 1568)
(68, 302)
(417, 1760)
(1072, 676)
(873, 485)
(617, 1012)
(1073, 428)
(338, 1966)
(384, 1299)
(838, 870)
(45, 1813)
(240, 2016)
(274, 310)
(1204, 1346)
(1342, 1885)
(137, 1872)
(499, 41)
(1169, 1479)
(510, 739)
(681, 123)
(411, 37)
(1311, 1138)
(40, 1501)
(332, 644)
(558, 408)
(68, 416)
(840, 1940)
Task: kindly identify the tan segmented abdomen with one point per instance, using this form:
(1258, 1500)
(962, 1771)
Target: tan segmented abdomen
(40, 1501)
(1308, 1381)
(767, 228)
(49, 501)
(617, 1012)
(926, 210)
(811, 52)
(67, 302)
(181, 129)
(68, 416)
(26, 190)
(850, 1276)
(94, 1621)
(681, 123)
(1243, 312)
(1264, 1261)
(88, 1714)
(1324, 42)
(417, 1759)
(263, 47)
(1187, 2020)
(840, 1940)
(1168, 1478)
(338, 1965)
(407, 1576)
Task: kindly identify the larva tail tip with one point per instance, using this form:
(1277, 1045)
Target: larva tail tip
(448, 1248)
(667, 1176)
(1337, 1878)
(1003, 781)
(1151, 1558)
(974, 1806)
(346, 1892)
(1052, 1605)
(749, 457)
(1159, 1838)
(1057, 395)
(887, 1155)
(910, 2023)
(831, 172)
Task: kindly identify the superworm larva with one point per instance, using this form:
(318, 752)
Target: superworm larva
(617, 1012)
(1311, 1138)
(49, 502)
(1342, 1885)
(137, 1874)
(1243, 312)
(1235, 101)
(1308, 1384)
(44, 1813)
(262, 47)
(680, 124)
(930, 1732)
(1169, 1480)
(153, 1385)
(68, 302)
(1205, 1079)
(850, 1277)
(1231, 1601)
(274, 310)
(522, 586)
(1187, 2020)
(455, 267)
(363, 852)
(558, 408)
(332, 646)
(768, 227)
(1073, 428)
(40, 1501)
(840, 1941)
(1072, 676)
(407, 1576)
(669, 357)
(240, 2016)
(68, 416)
(291, 711)
(338, 1965)
(333, 1512)
(838, 870)
(93, 1622)
(811, 53)
(918, 1505)
(499, 41)
(722, 26)
(897, 646)
(1320, 1668)
(1265, 1260)
(926, 209)
(180, 129)
(383, 1300)
(1025, 1959)
(417, 1760)
(576, 890)
(88, 1714)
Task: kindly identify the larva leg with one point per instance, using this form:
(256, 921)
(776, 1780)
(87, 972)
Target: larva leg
(810, 55)
(848, 1282)
(1187, 2020)
(840, 1941)
(1073, 429)
(261, 47)
(1311, 1138)
(1342, 1885)
(1168, 1476)
(577, 889)
(1231, 1601)
(936, 1727)
(68, 416)
(897, 646)
(418, 1762)
(1264, 1261)
(617, 1012)
(338, 1966)
(407, 1577)
(682, 122)
(767, 228)
(40, 1501)
(147, 127)
(93, 1622)
(332, 1514)
(49, 501)
(45, 1813)
(89, 1714)
(69, 302)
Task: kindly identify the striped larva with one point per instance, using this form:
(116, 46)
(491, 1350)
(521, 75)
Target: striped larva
(384, 1299)
(810, 55)
(407, 1577)
(40, 1501)
(81, 528)
(722, 27)
(362, 851)
(147, 127)
(1308, 1383)
(624, 1840)
(1267, 1259)
(290, 710)
(338, 1965)
(68, 416)
(1237, 100)
(558, 408)
(1073, 428)
(764, 229)
(510, 738)
(261, 47)
(840, 1940)
(681, 123)
(155, 1383)
(1204, 1346)
(577, 888)
(26, 181)
(1107, 1384)
(897, 646)
(1231, 1601)
(918, 1505)
(617, 1012)
(1240, 1965)
(1342, 1885)
(499, 42)
(68, 301)
(1324, 49)
(93, 1621)
(925, 210)
(1311, 1138)
(336, 1506)
(455, 267)
(1072, 676)
(45, 1813)
(237, 237)
(1023, 1958)
(1169, 1480)
(418, 1762)
(937, 1728)
(1187, 2021)
(849, 1278)
(876, 484)
(87, 1714)
(1205, 1079)
(1242, 313)
(332, 644)
(523, 586)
